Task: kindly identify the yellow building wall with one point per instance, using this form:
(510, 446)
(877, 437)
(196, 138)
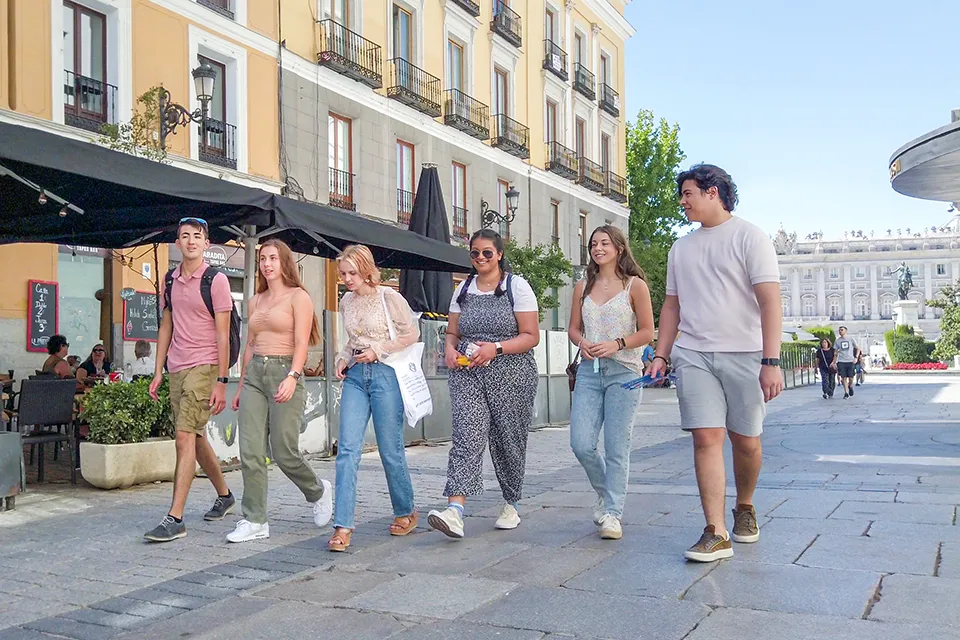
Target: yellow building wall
(262, 17)
(262, 120)
(130, 276)
(20, 263)
(29, 73)
(298, 27)
(4, 57)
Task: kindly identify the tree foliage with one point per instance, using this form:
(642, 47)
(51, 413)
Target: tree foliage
(141, 136)
(904, 345)
(949, 343)
(653, 161)
(544, 267)
(823, 332)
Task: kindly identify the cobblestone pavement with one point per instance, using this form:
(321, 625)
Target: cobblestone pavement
(858, 502)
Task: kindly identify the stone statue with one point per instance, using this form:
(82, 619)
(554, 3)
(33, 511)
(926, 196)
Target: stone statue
(785, 243)
(904, 280)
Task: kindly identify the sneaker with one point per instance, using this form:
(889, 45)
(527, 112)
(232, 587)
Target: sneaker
(709, 547)
(824, 396)
(247, 531)
(599, 511)
(610, 528)
(509, 518)
(851, 392)
(168, 529)
(745, 526)
(447, 522)
(323, 508)
(221, 507)
(846, 395)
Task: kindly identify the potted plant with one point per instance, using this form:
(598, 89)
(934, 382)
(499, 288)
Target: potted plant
(130, 438)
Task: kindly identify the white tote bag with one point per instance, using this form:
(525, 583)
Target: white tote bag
(417, 402)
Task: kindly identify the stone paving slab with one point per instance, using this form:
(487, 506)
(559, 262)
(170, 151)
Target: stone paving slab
(863, 553)
(465, 631)
(641, 574)
(896, 512)
(545, 566)
(907, 598)
(430, 596)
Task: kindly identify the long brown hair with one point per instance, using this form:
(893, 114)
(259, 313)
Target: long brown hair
(291, 278)
(626, 264)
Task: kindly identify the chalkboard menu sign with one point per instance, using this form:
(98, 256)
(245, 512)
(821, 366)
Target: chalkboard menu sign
(43, 314)
(140, 317)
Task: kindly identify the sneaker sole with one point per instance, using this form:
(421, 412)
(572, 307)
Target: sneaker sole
(440, 525)
(256, 536)
(753, 537)
(611, 535)
(327, 499)
(713, 556)
(226, 512)
(504, 526)
(176, 536)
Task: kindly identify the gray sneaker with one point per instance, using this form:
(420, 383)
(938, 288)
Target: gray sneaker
(168, 529)
(221, 507)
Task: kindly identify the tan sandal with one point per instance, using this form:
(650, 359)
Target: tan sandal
(340, 540)
(403, 525)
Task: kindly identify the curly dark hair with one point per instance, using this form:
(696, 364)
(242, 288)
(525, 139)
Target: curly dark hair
(708, 175)
(55, 343)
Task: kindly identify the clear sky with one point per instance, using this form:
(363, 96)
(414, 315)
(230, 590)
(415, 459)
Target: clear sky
(802, 102)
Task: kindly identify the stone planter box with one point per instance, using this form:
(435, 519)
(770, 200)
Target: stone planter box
(118, 466)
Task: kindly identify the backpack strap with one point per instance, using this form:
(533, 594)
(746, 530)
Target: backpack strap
(206, 288)
(167, 290)
(465, 288)
(510, 288)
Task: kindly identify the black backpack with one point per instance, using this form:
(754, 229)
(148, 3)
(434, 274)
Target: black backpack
(206, 284)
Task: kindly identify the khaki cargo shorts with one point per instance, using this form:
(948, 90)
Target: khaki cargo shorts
(190, 397)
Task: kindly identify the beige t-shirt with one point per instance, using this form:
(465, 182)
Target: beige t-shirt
(713, 271)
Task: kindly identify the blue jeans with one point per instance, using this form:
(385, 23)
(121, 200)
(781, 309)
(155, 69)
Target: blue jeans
(371, 389)
(600, 401)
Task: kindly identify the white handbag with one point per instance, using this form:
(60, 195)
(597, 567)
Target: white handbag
(407, 364)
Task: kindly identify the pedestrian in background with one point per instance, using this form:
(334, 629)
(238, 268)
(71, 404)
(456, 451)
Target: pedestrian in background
(827, 363)
(848, 351)
(270, 396)
(610, 320)
(370, 388)
(493, 328)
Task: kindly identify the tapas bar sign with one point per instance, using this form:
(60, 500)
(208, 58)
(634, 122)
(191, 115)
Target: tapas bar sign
(44, 313)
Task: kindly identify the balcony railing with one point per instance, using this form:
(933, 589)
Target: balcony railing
(616, 187)
(223, 7)
(584, 82)
(470, 6)
(836, 316)
(584, 255)
(460, 223)
(462, 112)
(404, 206)
(506, 22)
(591, 175)
(555, 60)
(562, 161)
(341, 190)
(511, 136)
(609, 100)
(218, 143)
(350, 54)
(87, 103)
(414, 87)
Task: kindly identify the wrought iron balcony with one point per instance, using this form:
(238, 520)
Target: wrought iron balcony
(471, 7)
(223, 7)
(462, 112)
(555, 60)
(350, 54)
(414, 87)
(584, 255)
(584, 82)
(460, 223)
(87, 103)
(609, 100)
(511, 136)
(562, 161)
(591, 176)
(506, 22)
(218, 143)
(616, 187)
(341, 190)
(404, 206)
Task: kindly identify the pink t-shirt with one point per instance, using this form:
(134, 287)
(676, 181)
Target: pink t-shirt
(194, 331)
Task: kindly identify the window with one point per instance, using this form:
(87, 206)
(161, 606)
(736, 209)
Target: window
(809, 309)
(835, 309)
(454, 65)
(785, 307)
(834, 273)
(216, 135)
(580, 140)
(402, 34)
(555, 214)
(549, 21)
(583, 236)
(501, 101)
(605, 152)
(84, 64)
(578, 48)
(886, 308)
(340, 11)
(941, 269)
(783, 276)
(888, 271)
(405, 173)
(861, 307)
(459, 199)
(861, 272)
(551, 126)
(808, 274)
(604, 69)
(339, 152)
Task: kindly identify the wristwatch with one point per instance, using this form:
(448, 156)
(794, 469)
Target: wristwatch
(499, 348)
(223, 379)
(294, 374)
(770, 362)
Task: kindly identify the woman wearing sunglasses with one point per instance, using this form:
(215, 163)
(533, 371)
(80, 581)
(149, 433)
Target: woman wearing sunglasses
(493, 327)
(96, 365)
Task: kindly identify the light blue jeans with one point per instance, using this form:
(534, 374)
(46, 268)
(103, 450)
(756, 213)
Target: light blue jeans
(371, 389)
(600, 402)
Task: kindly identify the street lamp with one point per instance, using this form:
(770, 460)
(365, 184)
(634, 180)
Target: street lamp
(173, 115)
(488, 216)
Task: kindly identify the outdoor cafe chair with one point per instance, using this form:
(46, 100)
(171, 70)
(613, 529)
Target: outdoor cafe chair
(46, 406)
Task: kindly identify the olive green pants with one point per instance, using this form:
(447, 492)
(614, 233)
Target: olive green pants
(269, 428)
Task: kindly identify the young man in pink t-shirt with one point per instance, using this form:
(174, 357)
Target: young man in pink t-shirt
(196, 349)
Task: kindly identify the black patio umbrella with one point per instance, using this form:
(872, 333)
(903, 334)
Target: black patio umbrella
(428, 292)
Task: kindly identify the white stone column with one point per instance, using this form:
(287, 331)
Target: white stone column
(821, 292)
(927, 285)
(795, 293)
(847, 294)
(956, 272)
(874, 294)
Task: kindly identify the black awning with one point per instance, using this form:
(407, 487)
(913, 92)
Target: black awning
(128, 200)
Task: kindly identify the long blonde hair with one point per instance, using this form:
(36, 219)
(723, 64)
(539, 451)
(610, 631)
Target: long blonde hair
(291, 278)
(360, 256)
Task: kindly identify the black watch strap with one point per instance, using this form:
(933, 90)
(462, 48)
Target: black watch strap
(770, 362)
(223, 379)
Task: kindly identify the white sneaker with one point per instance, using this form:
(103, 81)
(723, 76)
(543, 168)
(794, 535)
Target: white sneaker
(509, 518)
(610, 528)
(599, 511)
(323, 508)
(447, 522)
(247, 531)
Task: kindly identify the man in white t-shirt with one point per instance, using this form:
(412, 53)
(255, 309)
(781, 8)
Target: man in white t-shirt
(723, 299)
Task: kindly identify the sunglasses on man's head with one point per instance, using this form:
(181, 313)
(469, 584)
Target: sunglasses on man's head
(199, 221)
(486, 253)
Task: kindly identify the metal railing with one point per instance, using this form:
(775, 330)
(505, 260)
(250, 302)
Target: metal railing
(467, 114)
(510, 136)
(404, 206)
(609, 100)
(460, 223)
(471, 7)
(218, 143)
(350, 54)
(87, 103)
(798, 365)
(584, 81)
(555, 59)
(506, 22)
(341, 190)
(414, 87)
(591, 175)
(562, 160)
(616, 187)
(223, 7)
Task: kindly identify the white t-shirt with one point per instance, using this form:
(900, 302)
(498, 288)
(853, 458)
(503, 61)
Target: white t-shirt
(143, 366)
(523, 297)
(713, 271)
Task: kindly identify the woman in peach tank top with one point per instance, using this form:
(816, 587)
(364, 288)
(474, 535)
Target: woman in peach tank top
(271, 395)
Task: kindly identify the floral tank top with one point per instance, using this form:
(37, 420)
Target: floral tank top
(613, 319)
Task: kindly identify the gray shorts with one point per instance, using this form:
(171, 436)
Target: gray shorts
(845, 369)
(719, 390)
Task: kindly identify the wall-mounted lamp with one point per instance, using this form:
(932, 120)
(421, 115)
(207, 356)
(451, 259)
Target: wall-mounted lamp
(489, 217)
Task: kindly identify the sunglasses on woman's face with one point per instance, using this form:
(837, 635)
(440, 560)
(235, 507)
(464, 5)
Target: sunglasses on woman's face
(99, 351)
(486, 253)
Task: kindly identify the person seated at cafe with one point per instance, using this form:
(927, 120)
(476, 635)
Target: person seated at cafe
(74, 362)
(56, 363)
(96, 366)
(144, 364)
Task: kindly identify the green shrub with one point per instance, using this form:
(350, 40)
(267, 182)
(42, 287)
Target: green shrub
(823, 332)
(904, 345)
(798, 353)
(124, 412)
